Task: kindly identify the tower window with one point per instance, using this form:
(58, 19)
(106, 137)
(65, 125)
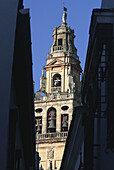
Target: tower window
(51, 120)
(59, 41)
(64, 122)
(39, 124)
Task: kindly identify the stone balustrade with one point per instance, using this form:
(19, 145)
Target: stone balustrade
(54, 96)
(58, 48)
(56, 135)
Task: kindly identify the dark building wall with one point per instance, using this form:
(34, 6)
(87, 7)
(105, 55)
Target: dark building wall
(98, 91)
(8, 15)
(23, 83)
(107, 4)
(17, 130)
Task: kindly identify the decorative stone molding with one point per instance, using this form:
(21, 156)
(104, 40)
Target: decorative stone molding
(50, 154)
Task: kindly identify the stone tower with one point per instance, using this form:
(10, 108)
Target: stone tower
(61, 93)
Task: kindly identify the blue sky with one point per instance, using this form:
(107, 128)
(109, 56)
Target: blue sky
(45, 15)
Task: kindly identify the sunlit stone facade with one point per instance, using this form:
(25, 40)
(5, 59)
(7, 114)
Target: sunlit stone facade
(61, 87)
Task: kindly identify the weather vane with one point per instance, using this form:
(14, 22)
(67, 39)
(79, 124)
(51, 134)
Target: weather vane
(64, 9)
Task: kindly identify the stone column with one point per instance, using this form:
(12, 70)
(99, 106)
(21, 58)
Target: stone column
(44, 123)
(58, 121)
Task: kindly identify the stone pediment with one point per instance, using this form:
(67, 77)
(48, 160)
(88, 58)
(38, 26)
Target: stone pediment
(55, 62)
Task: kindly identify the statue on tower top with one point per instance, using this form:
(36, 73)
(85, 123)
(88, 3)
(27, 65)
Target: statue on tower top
(64, 15)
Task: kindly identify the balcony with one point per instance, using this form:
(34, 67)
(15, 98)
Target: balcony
(58, 48)
(58, 135)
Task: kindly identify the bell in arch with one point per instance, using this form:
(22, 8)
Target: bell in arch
(65, 124)
(51, 120)
(38, 129)
(52, 124)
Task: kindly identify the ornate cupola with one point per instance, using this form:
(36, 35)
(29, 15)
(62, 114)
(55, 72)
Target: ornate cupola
(63, 40)
(63, 65)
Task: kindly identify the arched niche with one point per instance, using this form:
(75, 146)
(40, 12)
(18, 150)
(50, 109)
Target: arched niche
(57, 80)
(51, 120)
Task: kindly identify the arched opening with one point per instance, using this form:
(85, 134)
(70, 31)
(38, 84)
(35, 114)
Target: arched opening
(39, 124)
(57, 80)
(64, 122)
(51, 120)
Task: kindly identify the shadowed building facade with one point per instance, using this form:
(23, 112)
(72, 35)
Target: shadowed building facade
(17, 123)
(61, 88)
(98, 92)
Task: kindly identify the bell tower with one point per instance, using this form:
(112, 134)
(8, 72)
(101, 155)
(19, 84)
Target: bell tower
(60, 86)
